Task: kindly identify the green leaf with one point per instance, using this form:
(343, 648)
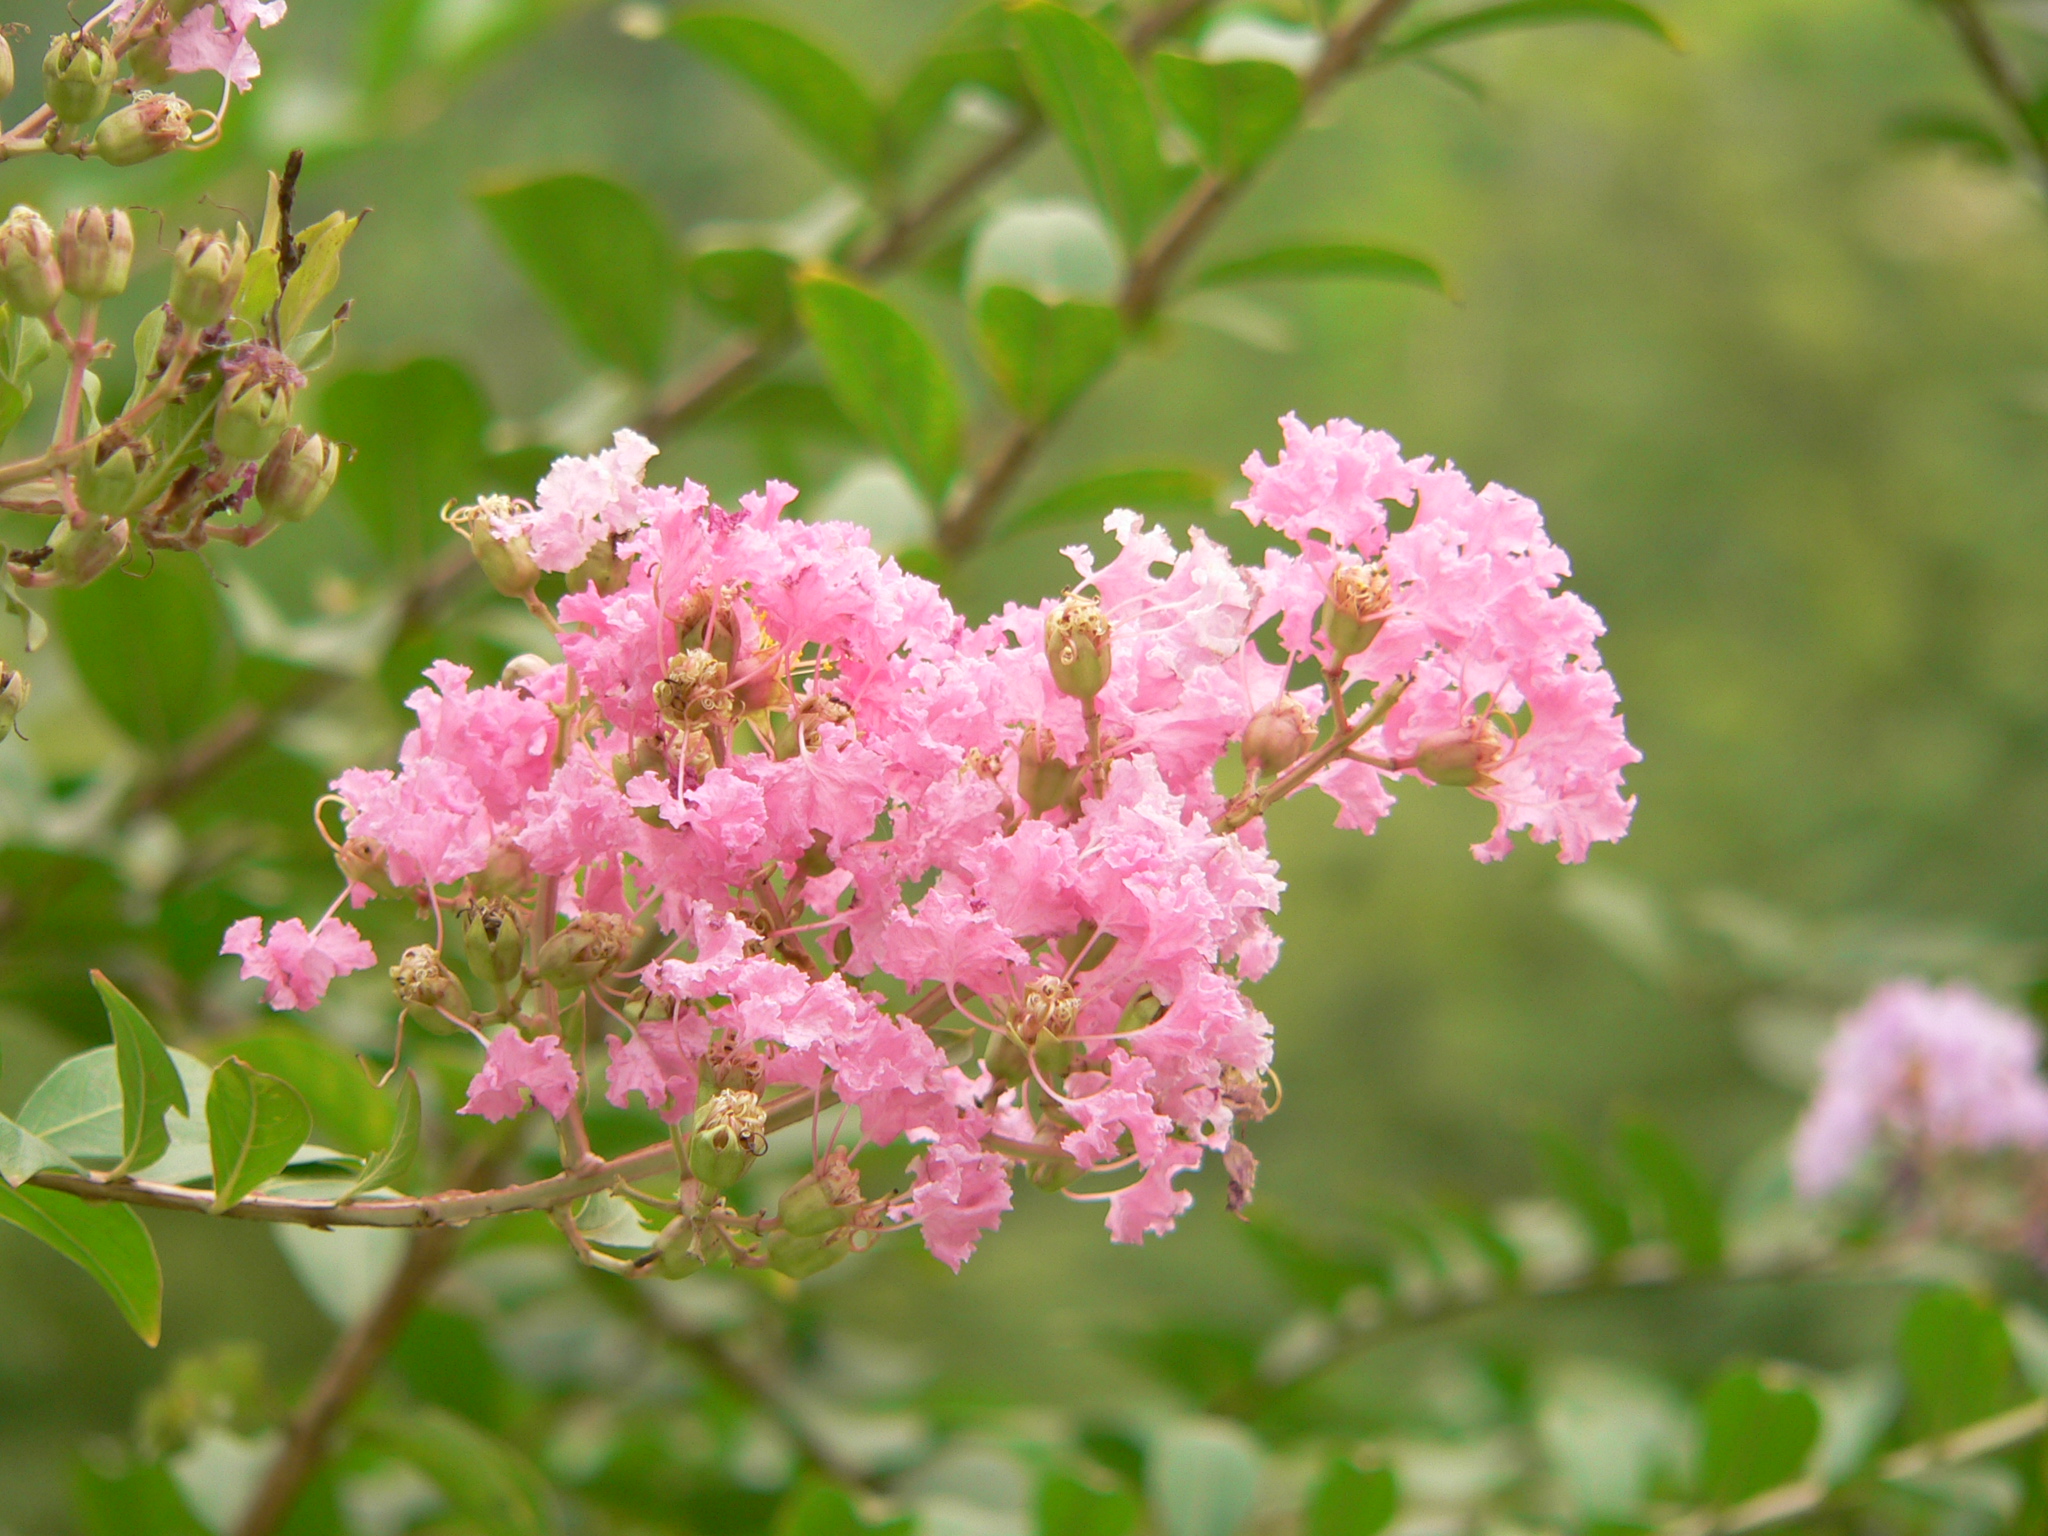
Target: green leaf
(1958, 131)
(1069, 1507)
(1582, 1185)
(599, 254)
(816, 1508)
(78, 1109)
(149, 336)
(1041, 355)
(887, 376)
(973, 52)
(1348, 1502)
(1326, 259)
(1237, 111)
(1142, 490)
(1692, 1218)
(822, 98)
(395, 1160)
(259, 290)
(35, 629)
(318, 271)
(748, 285)
(106, 1240)
(140, 1500)
(1755, 1436)
(1095, 99)
(418, 435)
(24, 1154)
(150, 1084)
(1202, 1477)
(348, 1111)
(14, 403)
(1511, 15)
(255, 1122)
(483, 1479)
(154, 653)
(1320, 1278)
(1957, 1360)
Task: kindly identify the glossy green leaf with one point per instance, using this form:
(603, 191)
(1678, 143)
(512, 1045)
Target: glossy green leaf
(599, 255)
(1692, 1217)
(818, 94)
(1956, 1358)
(1237, 112)
(107, 1240)
(348, 1111)
(1346, 1501)
(748, 285)
(1166, 489)
(1513, 15)
(1069, 1507)
(483, 1479)
(887, 377)
(1042, 356)
(394, 1161)
(1093, 96)
(1325, 259)
(1585, 1187)
(418, 434)
(150, 1085)
(154, 653)
(1202, 1477)
(254, 1122)
(318, 271)
(1754, 1436)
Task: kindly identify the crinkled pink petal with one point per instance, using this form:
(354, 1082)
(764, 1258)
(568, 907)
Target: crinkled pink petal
(294, 965)
(511, 1063)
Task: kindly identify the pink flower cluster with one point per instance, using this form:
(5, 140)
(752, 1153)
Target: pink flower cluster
(989, 886)
(215, 37)
(1934, 1068)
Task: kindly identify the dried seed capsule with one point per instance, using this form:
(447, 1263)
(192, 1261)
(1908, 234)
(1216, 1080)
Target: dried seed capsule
(1361, 597)
(30, 275)
(94, 250)
(425, 985)
(155, 123)
(730, 1132)
(823, 1200)
(493, 940)
(297, 474)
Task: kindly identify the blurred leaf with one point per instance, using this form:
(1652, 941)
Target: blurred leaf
(1069, 1507)
(748, 285)
(1329, 259)
(1936, 128)
(14, 403)
(348, 1111)
(1095, 99)
(887, 377)
(343, 1269)
(418, 434)
(1237, 112)
(105, 1239)
(1316, 1276)
(138, 1501)
(483, 1478)
(34, 628)
(446, 1360)
(255, 1122)
(1043, 355)
(1202, 1477)
(150, 1085)
(1582, 1185)
(153, 652)
(1484, 1235)
(1214, 1365)
(318, 271)
(973, 51)
(1348, 1502)
(1092, 499)
(1692, 1218)
(392, 1164)
(599, 255)
(1754, 1436)
(1956, 1358)
(822, 98)
(1511, 15)
(816, 1508)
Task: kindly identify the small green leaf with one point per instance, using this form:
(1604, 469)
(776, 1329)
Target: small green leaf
(1323, 1279)
(1237, 111)
(483, 1479)
(887, 376)
(35, 629)
(23, 1154)
(1957, 1360)
(1348, 1502)
(149, 336)
(31, 349)
(254, 1122)
(822, 98)
(1755, 1436)
(1041, 355)
(1585, 1187)
(150, 1084)
(1326, 259)
(748, 285)
(395, 1161)
(1958, 131)
(348, 1111)
(974, 52)
(1202, 1477)
(610, 1221)
(1092, 499)
(1511, 15)
(156, 655)
(1095, 99)
(1692, 1218)
(259, 289)
(1069, 1507)
(599, 254)
(418, 434)
(318, 271)
(108, 1241)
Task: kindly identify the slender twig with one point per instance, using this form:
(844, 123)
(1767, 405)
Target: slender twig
(2002, 76)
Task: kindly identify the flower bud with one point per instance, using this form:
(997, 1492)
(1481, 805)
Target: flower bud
(149, 60)
(1043, 780)
(1276, 738)
(505, 871)
(94, 249)
(1463, 758)
(601, 568)
(6, 68)
(79, 556)
(425, 985)
(256, 402)
(493, 941)
(155, 123)
(583, 951)
(1055, 1170)
(29, 273)
(106, 480)
(13, 695)
(646, 757)
(801, 1257)
(1360, 599)
(1077, 647)
(505, 559)
(297, 474)
(823, 1200)
(362, 863)
(78, 76)
(694, 689)
(206, 274)
(521, 669)
(727, 1135)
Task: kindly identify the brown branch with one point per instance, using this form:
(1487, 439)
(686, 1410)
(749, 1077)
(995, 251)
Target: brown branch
(2002, 76)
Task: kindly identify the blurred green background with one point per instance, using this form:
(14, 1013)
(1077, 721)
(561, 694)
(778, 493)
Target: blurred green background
(1779, 385)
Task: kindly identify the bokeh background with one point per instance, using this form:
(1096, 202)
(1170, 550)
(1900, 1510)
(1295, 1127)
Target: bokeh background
(1779, 382)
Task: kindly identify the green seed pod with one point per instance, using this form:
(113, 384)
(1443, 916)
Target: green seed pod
(493, 941)
(1077, 646)
(1043, 779)
(206, 274)
(583, 951)
(1055, 1170)
(730, 1132)
(801, 1257)
(107, 484)
(14, 691)
(256, 404)
(505, 558)
(153, 124)
(95, 247)
(297, 474)
(29, 272)
(79, 556)
(1463, 758)
(425, 985)
(149, 60)
(1361, 597)
(78, 77)
(1007, 1059)
(6, 69)
(823, 1200)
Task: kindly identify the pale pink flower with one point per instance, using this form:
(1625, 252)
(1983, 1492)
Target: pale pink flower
(958, 1195)
(511, 1063)
(294, 965)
